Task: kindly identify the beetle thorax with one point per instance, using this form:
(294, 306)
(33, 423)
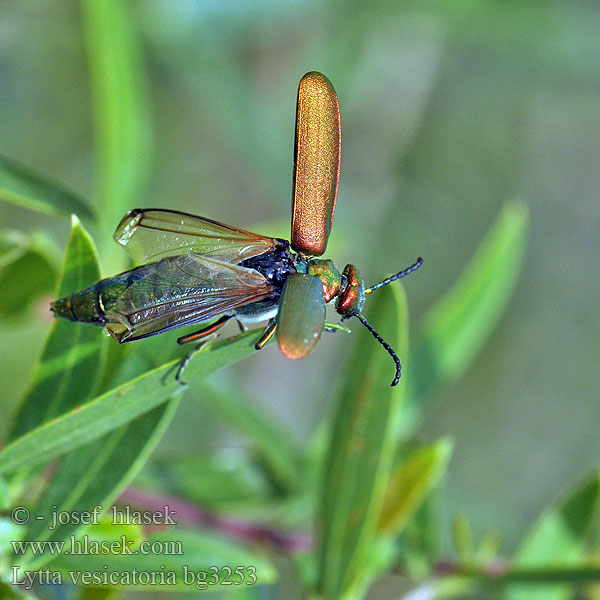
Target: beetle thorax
(347, 287)
(327, 272)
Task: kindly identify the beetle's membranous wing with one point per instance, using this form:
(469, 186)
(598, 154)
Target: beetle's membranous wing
(176, 291)
(151, 234)
(301, 315)
(316, 164)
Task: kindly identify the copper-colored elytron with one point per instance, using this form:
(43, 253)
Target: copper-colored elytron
(316, 164)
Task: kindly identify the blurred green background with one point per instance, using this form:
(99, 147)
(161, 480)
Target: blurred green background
(448, 109)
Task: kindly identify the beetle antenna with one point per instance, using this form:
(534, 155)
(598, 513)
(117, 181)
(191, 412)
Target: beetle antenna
(396, 276)
(385, 345)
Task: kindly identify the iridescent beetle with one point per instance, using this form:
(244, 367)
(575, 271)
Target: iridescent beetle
(196, 270)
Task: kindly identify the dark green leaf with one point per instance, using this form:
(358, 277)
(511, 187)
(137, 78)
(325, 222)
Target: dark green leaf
(559, 539)
(72, 357)
(119, 405)
(27, 271)
(459, 324)
(23, 186)
(361, 450)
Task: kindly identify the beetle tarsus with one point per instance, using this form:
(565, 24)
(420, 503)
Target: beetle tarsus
(185, 361)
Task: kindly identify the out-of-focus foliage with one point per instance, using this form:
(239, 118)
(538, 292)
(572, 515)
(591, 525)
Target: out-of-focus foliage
(449, 112)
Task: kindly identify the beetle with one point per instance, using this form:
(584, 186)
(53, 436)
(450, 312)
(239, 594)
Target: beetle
(196, 270)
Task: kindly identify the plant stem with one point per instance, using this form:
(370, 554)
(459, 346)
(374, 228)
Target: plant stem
(190, 514)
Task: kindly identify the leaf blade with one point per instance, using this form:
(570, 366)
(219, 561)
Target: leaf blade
(460, 323)
(410, 483)
(559, 539)
(95, 474)
(118, 406)
(72, 357)
(361, 452)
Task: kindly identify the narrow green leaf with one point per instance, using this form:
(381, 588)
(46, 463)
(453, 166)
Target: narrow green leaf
(460, 323)
(28, 271)
(559, 539)
(96, 474)
(123, 128)
(119, 405)
(273, 444)
(72, 357)
(410, 483)
(24, 187)
(361, 450)
(184, 549)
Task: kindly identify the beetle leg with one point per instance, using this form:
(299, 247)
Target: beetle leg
(205, 331)
(333, 327)
(242, 327)
(268, 333)
(186, 359)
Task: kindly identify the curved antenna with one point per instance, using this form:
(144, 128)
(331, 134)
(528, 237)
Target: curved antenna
(396, 276)
(386, 346)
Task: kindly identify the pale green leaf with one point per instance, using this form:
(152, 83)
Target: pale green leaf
(28, 271)
(410, 483)
(558, 539)
(459, 324)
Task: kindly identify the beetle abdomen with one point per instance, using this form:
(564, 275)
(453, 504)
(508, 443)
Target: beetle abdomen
(84, 306)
